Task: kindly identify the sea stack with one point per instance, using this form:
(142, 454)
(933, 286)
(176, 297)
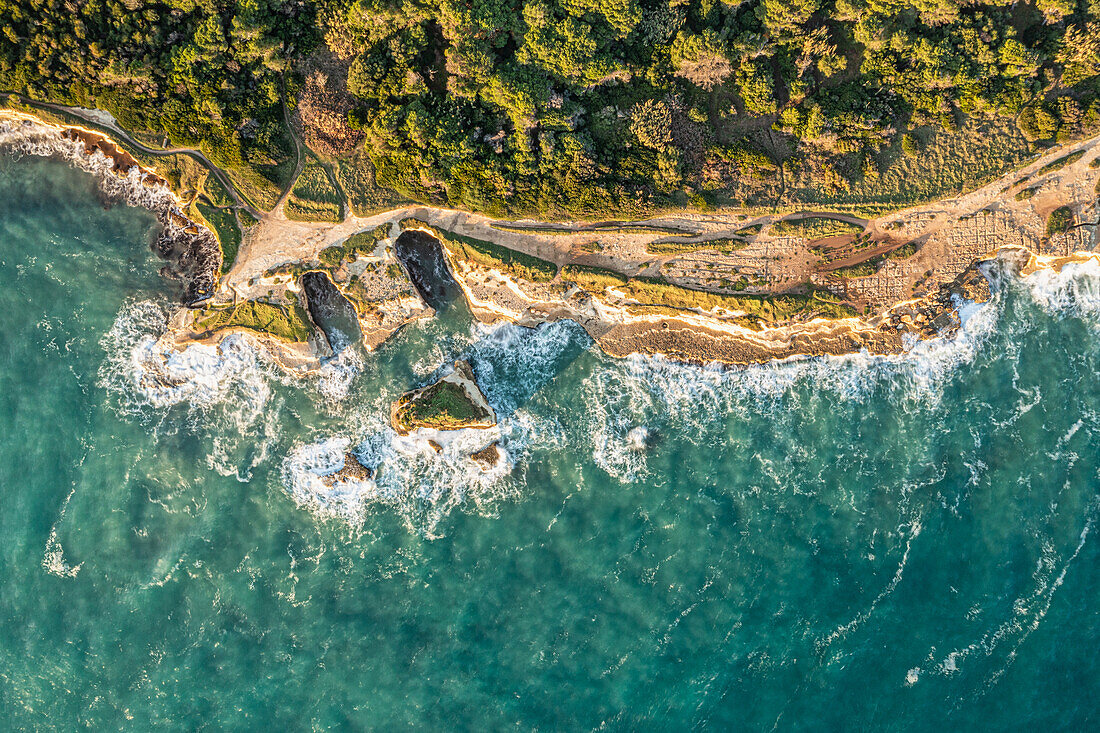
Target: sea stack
(453, 403)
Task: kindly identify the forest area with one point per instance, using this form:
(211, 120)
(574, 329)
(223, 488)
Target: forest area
(581, 108)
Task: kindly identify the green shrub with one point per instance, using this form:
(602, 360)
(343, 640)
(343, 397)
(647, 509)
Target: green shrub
(1060, 220)
(358, 243)
(724, 245)
(902, 252)
(815, 227)
(592, 279)
(1060, 163)
(861, 269)
(772, 308)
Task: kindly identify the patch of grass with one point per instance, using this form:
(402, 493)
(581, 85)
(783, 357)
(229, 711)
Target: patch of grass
(599, 228)
(226, 229)
(816, 227)
(540, 230)
(313, 197)
(289, 322)
(256, 186)
(1025, 194)
(247, 220)
(1060, 163)
(750, 231)
(443, 406)
(904, 251)
(868, 267)
(1060, 220)
(356, 244)
(1094, 163)
(644, 229)
(185, 175)
(518, 264)
(860, 269)
(592, 279)
(216, 192)
(355, 174)
(724, 245)
(772, 308)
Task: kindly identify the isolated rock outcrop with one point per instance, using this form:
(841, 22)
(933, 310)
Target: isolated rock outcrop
(452, 403)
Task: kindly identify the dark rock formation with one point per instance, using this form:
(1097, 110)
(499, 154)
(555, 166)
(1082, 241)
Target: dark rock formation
(331, 311)
(423, 258)
(488, 457)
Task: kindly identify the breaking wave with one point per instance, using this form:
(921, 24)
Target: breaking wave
(622, 409)
(191, 251)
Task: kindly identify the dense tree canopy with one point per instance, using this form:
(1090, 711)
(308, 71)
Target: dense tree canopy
(568, 105)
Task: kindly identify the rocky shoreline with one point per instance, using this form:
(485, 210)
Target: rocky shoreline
(190, 250)
(627, 299)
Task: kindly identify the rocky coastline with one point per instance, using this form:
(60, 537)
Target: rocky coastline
(629, 300)
(190, 250)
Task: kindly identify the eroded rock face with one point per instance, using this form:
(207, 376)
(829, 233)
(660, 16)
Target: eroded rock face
(936, 315)
(453, 403)
(423, 258)
(331, 311)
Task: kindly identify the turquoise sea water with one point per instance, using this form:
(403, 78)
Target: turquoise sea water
(846, 543)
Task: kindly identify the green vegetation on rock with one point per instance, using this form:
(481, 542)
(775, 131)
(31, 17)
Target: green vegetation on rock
(286, 321)
(1060, 220)
(358, 243)
(770, 308)
(443, 406)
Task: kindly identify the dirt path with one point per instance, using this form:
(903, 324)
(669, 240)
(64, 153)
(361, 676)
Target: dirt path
(299, 165)
(125, 137)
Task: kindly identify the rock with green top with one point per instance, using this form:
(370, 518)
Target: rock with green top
(453, 403)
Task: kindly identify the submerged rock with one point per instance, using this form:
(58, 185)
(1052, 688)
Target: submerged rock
(452, 403)
(488, 457)
(353, 470)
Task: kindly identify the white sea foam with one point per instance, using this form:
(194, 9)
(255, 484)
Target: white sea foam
(144, 370)
(337, 375)
(423, 485)
(53, 559)
(623, 401)
(693, 400)
(26, 137)
(1072, 291)
(420, 483)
